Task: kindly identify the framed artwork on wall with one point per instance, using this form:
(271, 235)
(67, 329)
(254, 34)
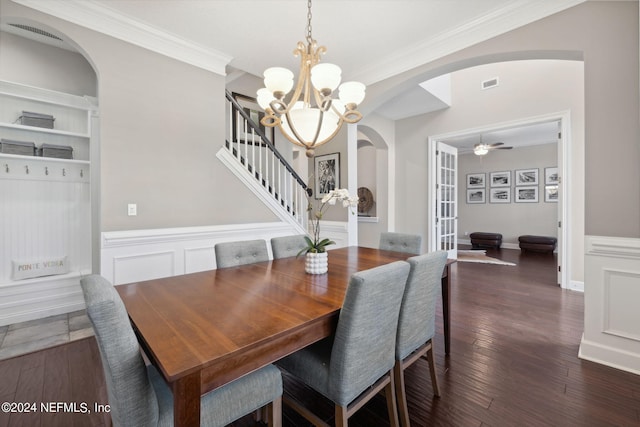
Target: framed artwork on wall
(500, 179)
(475, 180)
(551, 176)
(475, 195)
(527, 177)
(327, 174)
(250, 106)
(551, 193)
(500, 195)
(527, 194)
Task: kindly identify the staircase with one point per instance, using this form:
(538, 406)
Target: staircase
(253, 158)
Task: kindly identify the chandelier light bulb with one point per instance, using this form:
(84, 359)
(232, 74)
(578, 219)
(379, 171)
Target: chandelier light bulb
(352, 93)
(326, 77)
(264, 98)
(278, 80)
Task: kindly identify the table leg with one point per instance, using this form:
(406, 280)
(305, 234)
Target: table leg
(186, 401)
(446, 308)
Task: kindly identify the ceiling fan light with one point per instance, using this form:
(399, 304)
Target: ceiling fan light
(278, 80)
(480, 150)
(326, 77)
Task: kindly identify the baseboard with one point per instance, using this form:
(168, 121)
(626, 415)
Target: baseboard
(32, 299)
(609, 356)
(575, 285)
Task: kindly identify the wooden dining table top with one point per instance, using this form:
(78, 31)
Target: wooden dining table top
(224, 323)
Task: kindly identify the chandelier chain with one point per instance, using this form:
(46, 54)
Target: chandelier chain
(309, 37)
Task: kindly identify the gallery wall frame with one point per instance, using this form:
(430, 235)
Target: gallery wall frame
(500, 179)
(526, 176)
(476, 195)
(476, 180)
(527, 194)
(551, 193)
(326, 173)
(500, 195)
(551, 176)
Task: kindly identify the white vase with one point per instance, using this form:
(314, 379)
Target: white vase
(317, 263)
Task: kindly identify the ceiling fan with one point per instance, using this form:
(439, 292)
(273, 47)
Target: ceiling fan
(482, 149)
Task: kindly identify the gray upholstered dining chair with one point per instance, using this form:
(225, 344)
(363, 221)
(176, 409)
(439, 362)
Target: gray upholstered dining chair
(231, 254)
(356, 363)
(416, 325)
(288, 246)
(400, 242)
(138, 396)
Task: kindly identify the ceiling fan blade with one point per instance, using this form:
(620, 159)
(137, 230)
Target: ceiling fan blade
(502, 148)
(495, 144)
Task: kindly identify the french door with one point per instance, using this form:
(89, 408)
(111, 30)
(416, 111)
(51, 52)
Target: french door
(446, 199)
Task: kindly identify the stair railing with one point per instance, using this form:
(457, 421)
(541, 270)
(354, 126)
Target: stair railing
(250, 146)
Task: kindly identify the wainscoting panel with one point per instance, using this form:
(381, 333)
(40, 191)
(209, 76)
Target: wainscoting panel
(612, 291)
(143, 266)
(136, 255)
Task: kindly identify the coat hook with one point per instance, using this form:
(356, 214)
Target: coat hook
(81, 173)
(6, 167)
(27, 169)
(46, 170)
(64, 172)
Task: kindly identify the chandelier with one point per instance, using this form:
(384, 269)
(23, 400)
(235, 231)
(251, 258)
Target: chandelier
(311, 117)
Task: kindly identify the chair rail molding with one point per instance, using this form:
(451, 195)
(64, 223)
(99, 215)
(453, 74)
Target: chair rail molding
(612, 291)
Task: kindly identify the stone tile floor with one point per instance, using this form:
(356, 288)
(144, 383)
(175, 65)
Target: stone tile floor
(33, 335)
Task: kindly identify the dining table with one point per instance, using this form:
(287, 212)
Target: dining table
(205, 329)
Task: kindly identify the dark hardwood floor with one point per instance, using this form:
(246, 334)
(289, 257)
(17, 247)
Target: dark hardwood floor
(515, 338)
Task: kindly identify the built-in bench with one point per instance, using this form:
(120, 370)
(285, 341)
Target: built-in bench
(537, 243)
(483, 239)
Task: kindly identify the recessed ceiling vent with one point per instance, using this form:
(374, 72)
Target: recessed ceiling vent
(488, 84)
(37, 31)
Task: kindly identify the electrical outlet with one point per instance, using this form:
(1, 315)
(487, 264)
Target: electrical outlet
(132, 209)
(466, 233)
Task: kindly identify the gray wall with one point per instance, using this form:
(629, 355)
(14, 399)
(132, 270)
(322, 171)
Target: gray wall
(605, 34)
(161, 123)
(35, 64)
(510, 219)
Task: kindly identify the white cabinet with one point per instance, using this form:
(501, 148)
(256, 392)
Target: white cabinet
(45, 203)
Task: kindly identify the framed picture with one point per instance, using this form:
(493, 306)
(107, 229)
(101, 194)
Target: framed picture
(551, 176)
(475, 195)
(500, 179)
(327, 174)
(475, 180)
(551, 193)
(527, 177)
(527, 194)
(255, 113)
(500, 195)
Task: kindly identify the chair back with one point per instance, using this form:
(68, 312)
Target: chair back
(231, 254)
(287, 246)
(132, 398)
(416, 325)
(400, 242)
(365, 339)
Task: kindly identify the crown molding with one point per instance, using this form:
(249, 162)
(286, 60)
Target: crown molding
(104, 20)
(516, 14)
